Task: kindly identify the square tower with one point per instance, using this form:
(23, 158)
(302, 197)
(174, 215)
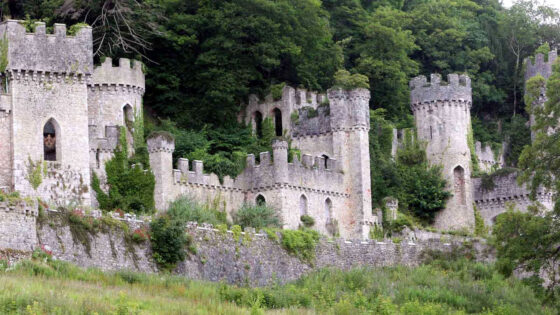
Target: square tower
(45, 112)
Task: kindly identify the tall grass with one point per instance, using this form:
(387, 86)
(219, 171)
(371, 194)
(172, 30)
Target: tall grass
(45, 286)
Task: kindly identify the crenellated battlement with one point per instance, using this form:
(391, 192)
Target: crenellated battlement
(539, 65)
(52, 53)
(457, 88)
(129, 73)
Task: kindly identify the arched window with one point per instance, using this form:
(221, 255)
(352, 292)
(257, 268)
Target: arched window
(128, 115)
(277, 122)
(260, 200)
(326, 158)
(302, 205)
(459, 184)
(51, 151)
(258, 120)
(328, 210)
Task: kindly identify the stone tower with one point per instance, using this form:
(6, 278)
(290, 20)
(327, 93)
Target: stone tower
(542, 67)
(350, 125)
(44, 112)
(442, 114)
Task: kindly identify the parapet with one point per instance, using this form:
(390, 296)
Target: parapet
(52, 53)
(161, 142)
(457, 88)
(128, 73)
(356, 94)
(540, 65)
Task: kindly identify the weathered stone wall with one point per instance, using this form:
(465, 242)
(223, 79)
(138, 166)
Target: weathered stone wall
(247, 258)
(107, 250)
(488, 160)
(492, 201)
(17, 226)
(36, 100)
(5, 149)
(442, 114)
(48, 53)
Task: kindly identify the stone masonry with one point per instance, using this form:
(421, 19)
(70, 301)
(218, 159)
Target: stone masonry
(443, 121)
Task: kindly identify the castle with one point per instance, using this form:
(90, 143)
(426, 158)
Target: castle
(60, 118)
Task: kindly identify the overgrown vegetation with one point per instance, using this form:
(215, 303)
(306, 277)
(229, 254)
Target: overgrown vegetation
(449, 284)
(130, 187)
(419, 187)
(257, 216)
(186, 209)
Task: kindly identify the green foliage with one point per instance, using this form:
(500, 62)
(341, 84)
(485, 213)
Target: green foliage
(300, 243)
(346, 81)
(3, 53)
(74, 29)
(310, 111)
(256, 216)
(419, 187)
(539, 160)
(444, 286)
(480, 228)
(376, 233)
(187, 210)
(529, 242)
(131, 189)
(474, 159)
(276, 91)
(542, 49)
(34, 173)
(169, 240)
(307, 220)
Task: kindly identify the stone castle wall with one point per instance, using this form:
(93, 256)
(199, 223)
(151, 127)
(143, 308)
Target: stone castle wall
(492, 201)
(488, 160)
(18, 226)
(252, 258)
(48, 53)
(5, 148)
(442, 114)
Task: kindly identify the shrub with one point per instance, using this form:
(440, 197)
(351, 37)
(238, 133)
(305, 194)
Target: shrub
(185, 209)
(130, 188)
(300, 243)
(307, 220)
(257, 216)
(169, 240)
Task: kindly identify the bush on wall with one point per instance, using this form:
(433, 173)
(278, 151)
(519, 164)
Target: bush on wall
(130, 187)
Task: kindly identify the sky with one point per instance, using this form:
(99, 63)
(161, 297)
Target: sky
(553, 3)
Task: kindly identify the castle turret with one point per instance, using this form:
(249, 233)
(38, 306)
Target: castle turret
(349, 112)
(115, 95)
(280, 155)
(46, 97)
(443, 121)
(160, 148)
(542, 67)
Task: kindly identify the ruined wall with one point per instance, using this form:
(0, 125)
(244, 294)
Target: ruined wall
(442, 114)
(488, 159)
(492, 201)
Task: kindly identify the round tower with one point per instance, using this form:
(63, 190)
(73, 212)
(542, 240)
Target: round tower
(115, 95)
(542, 67)
(442, 114)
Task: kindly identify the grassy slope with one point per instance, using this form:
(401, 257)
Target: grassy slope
(43, 286)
